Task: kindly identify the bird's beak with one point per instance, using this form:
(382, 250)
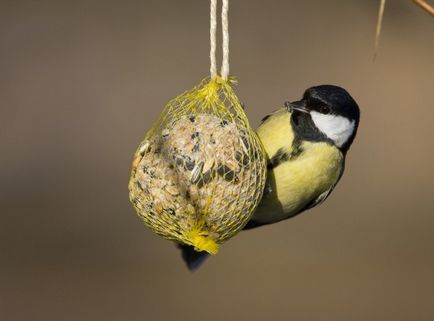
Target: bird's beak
(297, 105)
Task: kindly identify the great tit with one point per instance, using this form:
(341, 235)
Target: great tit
(306, 143)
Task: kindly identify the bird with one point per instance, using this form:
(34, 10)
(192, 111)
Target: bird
(306, 143)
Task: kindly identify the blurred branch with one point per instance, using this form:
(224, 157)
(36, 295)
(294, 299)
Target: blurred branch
(426, 6)
(379, 24)
(422, 3)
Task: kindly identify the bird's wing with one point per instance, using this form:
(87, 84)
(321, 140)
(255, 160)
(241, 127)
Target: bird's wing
(314, 202)
(318, 200)
(323, 196)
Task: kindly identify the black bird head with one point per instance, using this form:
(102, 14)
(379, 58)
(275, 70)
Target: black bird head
(326, 113)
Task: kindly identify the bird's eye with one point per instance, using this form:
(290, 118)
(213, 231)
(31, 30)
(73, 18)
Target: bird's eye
(324, 109)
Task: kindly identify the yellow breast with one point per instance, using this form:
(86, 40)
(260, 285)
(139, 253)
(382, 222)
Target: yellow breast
(295, 183)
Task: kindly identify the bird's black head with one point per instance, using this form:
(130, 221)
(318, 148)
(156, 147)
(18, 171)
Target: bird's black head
(326, 113)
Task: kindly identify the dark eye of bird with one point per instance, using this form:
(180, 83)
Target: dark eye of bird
(324, 109)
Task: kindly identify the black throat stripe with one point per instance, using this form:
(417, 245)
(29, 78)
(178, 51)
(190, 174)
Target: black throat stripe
(265, 118)
(282, 156)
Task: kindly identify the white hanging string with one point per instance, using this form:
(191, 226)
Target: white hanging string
(225, 29)
(212, 34)
(213, 42)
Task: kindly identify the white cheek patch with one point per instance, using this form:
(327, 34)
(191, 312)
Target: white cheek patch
(337, 128)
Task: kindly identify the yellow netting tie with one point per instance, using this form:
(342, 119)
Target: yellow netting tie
(199, 173)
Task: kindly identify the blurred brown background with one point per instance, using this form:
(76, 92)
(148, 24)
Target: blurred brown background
(81, 81)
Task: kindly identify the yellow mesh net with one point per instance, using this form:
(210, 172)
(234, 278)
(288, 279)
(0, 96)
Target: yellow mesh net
(199, 173)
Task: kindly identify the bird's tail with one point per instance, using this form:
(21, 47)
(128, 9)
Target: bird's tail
(191, 257)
